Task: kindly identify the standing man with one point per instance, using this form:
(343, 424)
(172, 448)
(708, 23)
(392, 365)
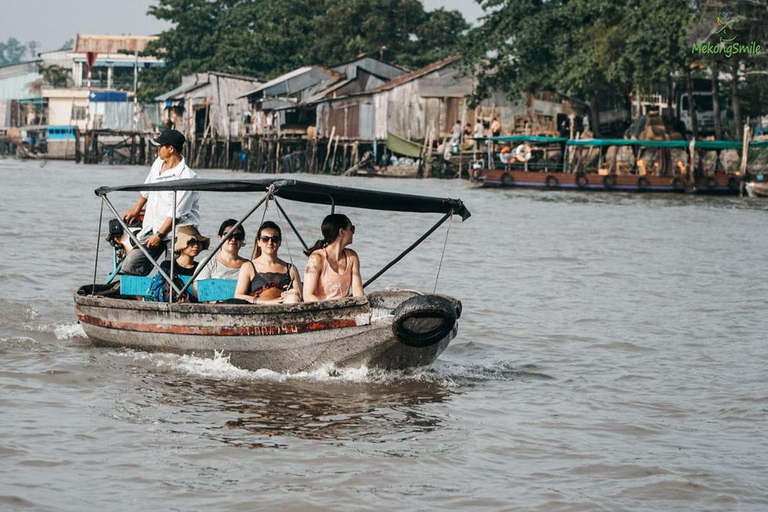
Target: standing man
(479, 130)
(495, 127)
(158, 217)
(456, 132)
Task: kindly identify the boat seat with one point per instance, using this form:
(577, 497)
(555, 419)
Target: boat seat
(213, 290)
(139, 285)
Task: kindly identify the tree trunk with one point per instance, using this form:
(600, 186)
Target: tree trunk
(671, 110)
(594, 112)
(715, 102)
(735, 100)
(691, 105)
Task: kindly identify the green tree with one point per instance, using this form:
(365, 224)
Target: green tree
(11, 52)
(265, 38)
(726, 22)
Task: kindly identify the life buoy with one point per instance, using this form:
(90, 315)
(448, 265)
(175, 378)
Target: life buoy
(506, 179)
(643, 183)
(423, 320)
(581, 180)
(609, 181)
(711, 182)
(552, 182)
(677, 184)
(733, 184)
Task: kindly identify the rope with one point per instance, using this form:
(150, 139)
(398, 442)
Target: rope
(270, 194)
(98, 241)
(287, 247)
(440, 265)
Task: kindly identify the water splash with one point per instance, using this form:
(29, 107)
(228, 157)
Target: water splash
(69, 331)
(441, 373)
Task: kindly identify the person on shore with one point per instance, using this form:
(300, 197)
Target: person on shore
(227, 262)
(495, 128)
(332, 270)
(456, 132)
(479, 130)
(158, 217)
(267, 279)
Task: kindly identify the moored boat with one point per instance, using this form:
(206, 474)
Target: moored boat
(627, 165)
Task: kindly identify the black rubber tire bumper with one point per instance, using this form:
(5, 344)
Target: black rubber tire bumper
(424, 320)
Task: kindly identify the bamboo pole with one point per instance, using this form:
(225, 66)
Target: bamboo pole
(333, 160)
(744, 150)
(328, 149)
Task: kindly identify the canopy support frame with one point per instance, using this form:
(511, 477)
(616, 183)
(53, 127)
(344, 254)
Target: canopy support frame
(139, 246)
(221, 243)
(410, 248)
(288, 220)
(98, 244)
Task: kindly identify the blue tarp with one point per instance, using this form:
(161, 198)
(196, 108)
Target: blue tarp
(108, 96)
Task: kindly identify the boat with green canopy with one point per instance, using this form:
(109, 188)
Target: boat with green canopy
(629, 165)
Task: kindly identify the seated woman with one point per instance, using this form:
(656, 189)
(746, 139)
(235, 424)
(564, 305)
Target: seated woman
(227, 262)
(189, 243)
(267, 279)
(333, 270)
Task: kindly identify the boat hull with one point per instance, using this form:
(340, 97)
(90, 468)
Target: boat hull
(352, 332)
(716, 185)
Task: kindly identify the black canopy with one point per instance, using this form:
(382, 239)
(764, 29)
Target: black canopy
(308, 192)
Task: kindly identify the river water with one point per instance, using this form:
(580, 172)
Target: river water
(611, 356)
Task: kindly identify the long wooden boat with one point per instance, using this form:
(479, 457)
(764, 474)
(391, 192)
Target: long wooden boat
(559, 175)
(383, 329)
(515, 177)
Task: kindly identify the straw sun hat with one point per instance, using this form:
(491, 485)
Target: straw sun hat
(186, 233)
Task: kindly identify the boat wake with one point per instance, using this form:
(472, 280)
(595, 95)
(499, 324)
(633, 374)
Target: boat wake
(442, 373)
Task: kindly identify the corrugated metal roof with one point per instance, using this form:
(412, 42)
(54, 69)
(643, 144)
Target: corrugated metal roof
(400, 80)
(172, 94)
(281, 78)
(111, 44)
(413, 75)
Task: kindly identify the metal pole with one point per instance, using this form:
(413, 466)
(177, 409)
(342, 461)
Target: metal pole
(173, 245)
(223, 241)
(296, 231)
(409, 249)
(98, 242)
(138, 245)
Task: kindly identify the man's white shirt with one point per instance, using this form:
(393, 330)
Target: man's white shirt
(160, 203)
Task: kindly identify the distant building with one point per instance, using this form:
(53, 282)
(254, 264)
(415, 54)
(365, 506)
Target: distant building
(431, 100)
(116, 60)
(209, 105)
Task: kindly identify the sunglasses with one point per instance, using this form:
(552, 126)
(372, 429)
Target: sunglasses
(352, 227)
(194, 242)
(237, 236)
(267, 239)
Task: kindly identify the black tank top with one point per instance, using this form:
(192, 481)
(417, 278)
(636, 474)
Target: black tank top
(264, 280)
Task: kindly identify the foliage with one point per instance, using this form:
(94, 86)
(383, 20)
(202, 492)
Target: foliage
(56, 76)
(586, 48)
(265, 38)
(12, 52)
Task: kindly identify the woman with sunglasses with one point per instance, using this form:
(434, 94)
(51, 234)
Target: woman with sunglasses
(189, 244)
(267, 279)
(227, 262)
(333, 270)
